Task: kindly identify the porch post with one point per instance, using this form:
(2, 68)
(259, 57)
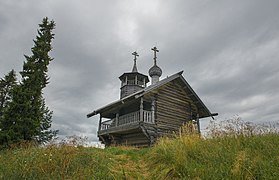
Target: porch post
(152, 110)
(141, 109)
(116, 119)
(100, 122)
(144, 82)
(198, 124)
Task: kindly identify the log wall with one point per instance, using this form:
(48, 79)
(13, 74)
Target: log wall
(173, 108)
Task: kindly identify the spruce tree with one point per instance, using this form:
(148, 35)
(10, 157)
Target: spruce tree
(28, 117)
(6, 85)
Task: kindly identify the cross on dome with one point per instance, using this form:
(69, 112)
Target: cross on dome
(155, 52)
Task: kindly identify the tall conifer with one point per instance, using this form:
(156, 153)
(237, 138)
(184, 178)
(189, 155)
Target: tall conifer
(6, 85)
(28, 117)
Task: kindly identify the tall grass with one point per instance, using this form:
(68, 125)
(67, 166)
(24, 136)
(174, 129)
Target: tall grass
(64, 162)
(70, 162)
(245, 154)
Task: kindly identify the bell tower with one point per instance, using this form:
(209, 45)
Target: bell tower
(132, 81)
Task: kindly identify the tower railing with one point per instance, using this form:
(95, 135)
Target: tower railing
(133, 82)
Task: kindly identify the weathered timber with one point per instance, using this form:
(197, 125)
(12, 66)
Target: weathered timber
(171, 112)
(174, 97)
(174, 108)
(140, 118)
(177, 103)
(131, 131)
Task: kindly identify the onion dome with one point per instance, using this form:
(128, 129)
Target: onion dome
(155, 71)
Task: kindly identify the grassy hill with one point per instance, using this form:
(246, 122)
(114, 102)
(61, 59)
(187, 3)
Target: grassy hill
(230, 156)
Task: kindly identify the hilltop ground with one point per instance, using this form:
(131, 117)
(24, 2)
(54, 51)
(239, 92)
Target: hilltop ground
(233, 154)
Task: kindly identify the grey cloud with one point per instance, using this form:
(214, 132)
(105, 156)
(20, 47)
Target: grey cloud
(228, 51)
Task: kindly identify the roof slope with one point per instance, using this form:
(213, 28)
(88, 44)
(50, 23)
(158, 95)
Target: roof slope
(203, 110)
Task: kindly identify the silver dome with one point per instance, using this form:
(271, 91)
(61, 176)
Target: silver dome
(155, 71)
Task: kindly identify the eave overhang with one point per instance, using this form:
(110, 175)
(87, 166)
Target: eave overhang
(134, 74)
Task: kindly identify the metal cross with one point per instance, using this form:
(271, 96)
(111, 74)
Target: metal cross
(155, 51)
(135, 63)
(135, 54)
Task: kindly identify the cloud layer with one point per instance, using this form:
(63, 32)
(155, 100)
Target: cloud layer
(228, 51)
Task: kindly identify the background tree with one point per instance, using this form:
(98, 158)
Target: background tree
(6, 85)
(27, 116)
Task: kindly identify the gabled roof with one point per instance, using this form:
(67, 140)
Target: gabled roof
(203, 110)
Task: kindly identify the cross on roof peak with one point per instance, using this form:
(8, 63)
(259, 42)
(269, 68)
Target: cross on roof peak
(135, 54)
(135, 63)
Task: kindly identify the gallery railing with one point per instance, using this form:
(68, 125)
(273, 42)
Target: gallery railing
(128, 119)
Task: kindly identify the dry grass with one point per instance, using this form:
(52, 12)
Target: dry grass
(234, 150)
(249, 153)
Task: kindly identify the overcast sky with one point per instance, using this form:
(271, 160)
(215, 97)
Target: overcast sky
(229, 51)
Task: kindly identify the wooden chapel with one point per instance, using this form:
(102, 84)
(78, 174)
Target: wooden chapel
(145, 113)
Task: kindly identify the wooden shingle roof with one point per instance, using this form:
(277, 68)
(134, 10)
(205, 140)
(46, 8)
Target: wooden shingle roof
(203, 110)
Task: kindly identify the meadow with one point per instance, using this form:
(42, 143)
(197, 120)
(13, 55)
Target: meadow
(233, 151)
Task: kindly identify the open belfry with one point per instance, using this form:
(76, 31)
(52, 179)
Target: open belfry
(145, 113)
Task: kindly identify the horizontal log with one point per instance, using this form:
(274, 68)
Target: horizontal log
(168, 126)
(170, 93)
(172, 106)
(168, 102)
(177, 99)
(170, 120)
(176, 90)
(174, 87)
(170, 123)
(170, 115)
(177, 102)
(172, 111)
